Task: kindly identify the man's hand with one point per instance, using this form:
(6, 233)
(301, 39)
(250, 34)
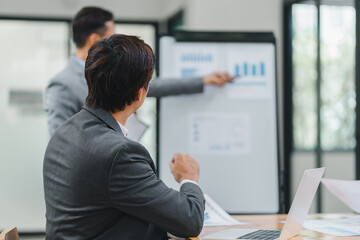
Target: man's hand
(184, 167)
(217, 78)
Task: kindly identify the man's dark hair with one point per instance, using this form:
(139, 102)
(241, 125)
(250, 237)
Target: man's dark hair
(116, 69)
(87, 21)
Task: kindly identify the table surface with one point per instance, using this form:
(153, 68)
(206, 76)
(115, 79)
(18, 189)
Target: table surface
(276, 222)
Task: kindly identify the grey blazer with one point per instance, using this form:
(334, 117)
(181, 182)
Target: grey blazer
(101, 185)
(67, 92)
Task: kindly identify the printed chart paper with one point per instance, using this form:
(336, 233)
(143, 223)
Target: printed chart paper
(216, 216)
(349, 226)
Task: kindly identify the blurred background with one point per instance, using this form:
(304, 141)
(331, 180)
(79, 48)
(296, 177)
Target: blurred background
(316, 70)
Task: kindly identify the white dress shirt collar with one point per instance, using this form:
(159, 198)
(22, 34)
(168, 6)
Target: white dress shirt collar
(123, 129)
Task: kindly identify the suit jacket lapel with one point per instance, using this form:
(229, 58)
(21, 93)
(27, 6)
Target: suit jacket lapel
(105, 116)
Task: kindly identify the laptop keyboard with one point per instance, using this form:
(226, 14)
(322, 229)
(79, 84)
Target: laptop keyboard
(262, 234)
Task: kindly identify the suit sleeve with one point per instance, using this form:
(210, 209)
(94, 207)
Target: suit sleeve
(59, 105)
(166, 87)
(136, 190)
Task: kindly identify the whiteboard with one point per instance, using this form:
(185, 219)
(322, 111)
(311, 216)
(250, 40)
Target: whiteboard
(232, 130)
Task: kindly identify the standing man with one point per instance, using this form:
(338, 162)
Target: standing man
(66, 92)
(98, 183)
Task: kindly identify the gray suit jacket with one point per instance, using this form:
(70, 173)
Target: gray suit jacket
(67, 92)
(101, 185)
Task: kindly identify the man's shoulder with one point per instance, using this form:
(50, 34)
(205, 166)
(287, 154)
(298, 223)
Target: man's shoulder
(123, 144)
(68, 76)
(97, 135)
(87, 130)
(69, 83)
(93, 126)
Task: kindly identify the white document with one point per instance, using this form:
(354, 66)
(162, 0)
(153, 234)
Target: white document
(215, 134)
(347, 191)
(216, 216)
(135, 127)
(349, 226)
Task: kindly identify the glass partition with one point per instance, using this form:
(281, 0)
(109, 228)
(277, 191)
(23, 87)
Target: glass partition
(32, 52)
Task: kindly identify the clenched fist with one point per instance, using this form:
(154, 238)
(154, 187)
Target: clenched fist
(184, 167)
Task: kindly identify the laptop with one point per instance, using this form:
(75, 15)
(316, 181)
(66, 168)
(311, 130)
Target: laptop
(299, 209)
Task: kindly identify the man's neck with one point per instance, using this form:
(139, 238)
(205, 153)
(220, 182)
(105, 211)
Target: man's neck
(122, 116)
(82, 53)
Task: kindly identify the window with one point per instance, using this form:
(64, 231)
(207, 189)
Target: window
(319, 84)
(32, 52)
(337, 84)
(338, 77)
(304, 78)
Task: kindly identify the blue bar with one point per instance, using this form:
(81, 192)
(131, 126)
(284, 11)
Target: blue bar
(245, 69)
(262, 69)
(254, 70)
(237, 70)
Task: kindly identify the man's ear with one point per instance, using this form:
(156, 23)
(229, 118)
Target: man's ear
(139, 94)
(93, 38)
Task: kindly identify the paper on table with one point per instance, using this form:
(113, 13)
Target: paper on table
(349, 226)
(216, 216)
(135, 127)
(347, 191)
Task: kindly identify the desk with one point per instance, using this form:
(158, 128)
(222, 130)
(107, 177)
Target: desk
(273, 222)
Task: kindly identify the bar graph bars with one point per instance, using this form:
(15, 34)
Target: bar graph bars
(245, 69)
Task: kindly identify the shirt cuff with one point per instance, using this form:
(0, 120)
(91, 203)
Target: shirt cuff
(188, 181)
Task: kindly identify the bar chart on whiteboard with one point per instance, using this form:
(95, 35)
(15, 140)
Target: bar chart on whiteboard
(253, 72)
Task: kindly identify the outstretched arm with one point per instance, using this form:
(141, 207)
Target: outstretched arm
(167, 87)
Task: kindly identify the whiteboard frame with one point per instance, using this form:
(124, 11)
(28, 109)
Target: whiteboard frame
(229, 37)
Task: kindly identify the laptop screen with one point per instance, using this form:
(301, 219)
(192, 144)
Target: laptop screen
(302, 201)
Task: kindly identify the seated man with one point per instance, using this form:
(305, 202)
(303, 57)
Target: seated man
(98, 183)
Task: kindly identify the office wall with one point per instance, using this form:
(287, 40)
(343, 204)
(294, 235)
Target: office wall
(123, 9)
(170, 7)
